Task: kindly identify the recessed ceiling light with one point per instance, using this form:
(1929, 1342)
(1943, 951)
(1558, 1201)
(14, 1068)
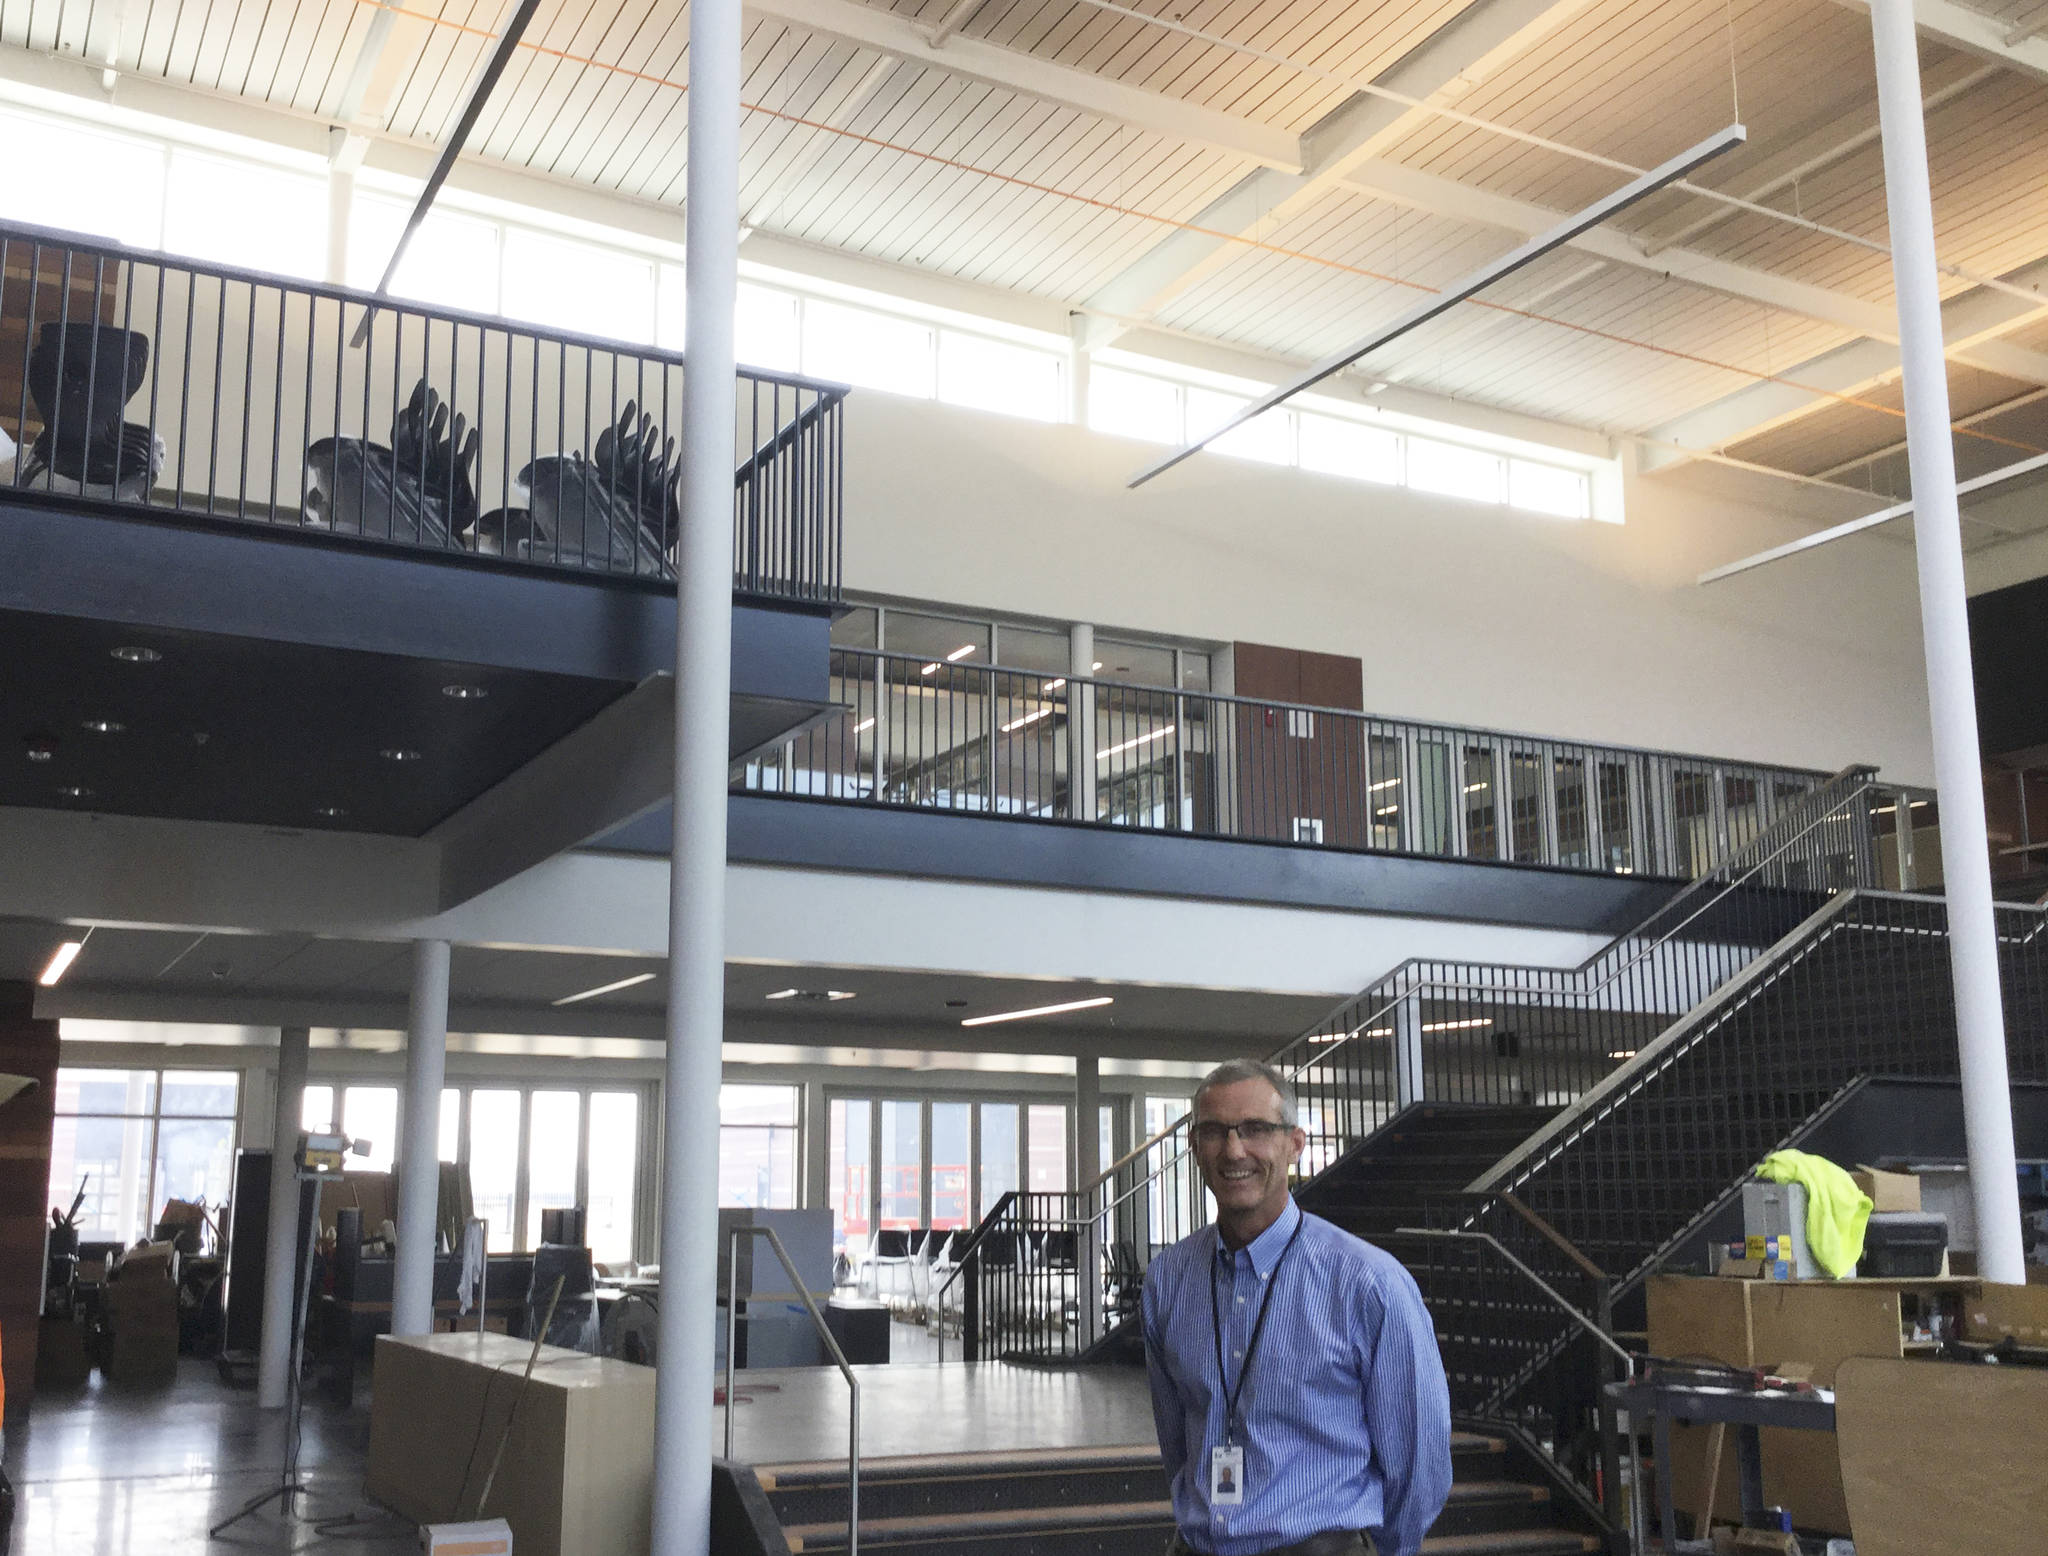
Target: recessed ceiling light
(41, 750)
(105, 726)
(60, 961)
(812, 996)
(75, 791)
(462, 691)
(330, 812)
(137, 655)
(606, 988)
(1038, 1010)
(399, 754)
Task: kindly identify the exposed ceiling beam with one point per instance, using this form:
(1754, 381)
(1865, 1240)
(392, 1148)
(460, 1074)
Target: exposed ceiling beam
(1482, 38)
(389, 47)
(959, 16)
(1027, 74)
(1445, 197)
(1971, 325)
(1988, 37)
(1801, 153)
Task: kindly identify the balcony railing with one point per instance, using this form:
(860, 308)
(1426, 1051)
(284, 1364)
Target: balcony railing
(927, 734)
(136, 383)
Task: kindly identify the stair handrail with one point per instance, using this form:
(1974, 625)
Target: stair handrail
(1555, 1238)
(1862, 777)
(732, 1324)
(1854, 780)
(1557, 1298)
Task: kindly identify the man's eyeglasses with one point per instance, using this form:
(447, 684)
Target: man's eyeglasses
(1253, 1131)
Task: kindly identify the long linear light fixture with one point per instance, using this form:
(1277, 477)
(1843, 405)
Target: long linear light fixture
(1571, 227)
(1038, 1010)
(606, 988)
(60, 962)
(1897, 510)
(501, 56)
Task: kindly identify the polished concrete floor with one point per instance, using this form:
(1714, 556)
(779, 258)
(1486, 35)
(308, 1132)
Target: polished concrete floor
(108, 1471)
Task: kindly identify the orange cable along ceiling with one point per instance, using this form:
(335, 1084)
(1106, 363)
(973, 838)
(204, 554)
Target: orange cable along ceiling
(1222, 235)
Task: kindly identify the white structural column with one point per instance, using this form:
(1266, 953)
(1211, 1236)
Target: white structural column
(1081, 722)
(1088, 1166)
(419, 1142)
(696, 927)
(341, 196)
(1951, 695)
(281, 1238)
(1407, 1025)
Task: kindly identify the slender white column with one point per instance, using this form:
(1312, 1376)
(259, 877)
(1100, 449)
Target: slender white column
(281, 1238)
(1081, 723)
(1408, 1074)
(696, 925)
(419, 1143)
(341, 194)
(1088, 1166)
(1944, 622)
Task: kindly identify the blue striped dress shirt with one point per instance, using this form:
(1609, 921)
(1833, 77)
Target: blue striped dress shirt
(1346, 1420)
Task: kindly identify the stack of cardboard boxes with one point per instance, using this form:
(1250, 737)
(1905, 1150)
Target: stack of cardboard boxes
(142, 1316)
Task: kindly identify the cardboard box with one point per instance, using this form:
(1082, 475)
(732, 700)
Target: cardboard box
(1888, 1190)
(491, 1537)
(1780, 1325)
(1992, 1312)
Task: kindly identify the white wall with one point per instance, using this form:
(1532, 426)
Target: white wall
(1460, 613)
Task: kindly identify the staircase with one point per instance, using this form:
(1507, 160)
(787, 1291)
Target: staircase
(1114, 1502)
(1404, 1170)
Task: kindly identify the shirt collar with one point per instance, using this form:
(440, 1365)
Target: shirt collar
(1264, 1250)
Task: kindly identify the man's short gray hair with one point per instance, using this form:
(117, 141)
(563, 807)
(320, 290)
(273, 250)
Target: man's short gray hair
(1231, 1071)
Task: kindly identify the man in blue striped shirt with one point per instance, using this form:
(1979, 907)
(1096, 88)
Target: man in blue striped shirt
(1300, 1399)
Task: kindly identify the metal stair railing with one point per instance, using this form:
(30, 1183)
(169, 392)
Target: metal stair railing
(1369, 1057)
(1860, 989)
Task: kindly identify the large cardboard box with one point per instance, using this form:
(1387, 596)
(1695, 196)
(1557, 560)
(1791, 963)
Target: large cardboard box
(1748, 1323)
(578, 1472)
(1888, 1191)
(1992, 1312)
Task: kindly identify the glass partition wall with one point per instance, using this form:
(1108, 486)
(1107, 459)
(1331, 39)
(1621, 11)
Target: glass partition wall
(943, 1162)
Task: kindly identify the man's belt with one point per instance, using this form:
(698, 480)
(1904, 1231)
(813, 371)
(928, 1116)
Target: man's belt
(1332, 1542)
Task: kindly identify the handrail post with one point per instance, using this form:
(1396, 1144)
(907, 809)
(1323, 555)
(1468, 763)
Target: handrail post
(839, 1360)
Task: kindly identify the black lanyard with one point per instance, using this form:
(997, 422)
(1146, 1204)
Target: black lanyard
(1232, 1397)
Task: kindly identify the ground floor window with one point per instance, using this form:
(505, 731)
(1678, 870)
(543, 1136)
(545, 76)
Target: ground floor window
(135, 1139)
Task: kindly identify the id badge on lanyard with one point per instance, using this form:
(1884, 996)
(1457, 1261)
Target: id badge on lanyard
(1226, 1464)
(1226, 1476)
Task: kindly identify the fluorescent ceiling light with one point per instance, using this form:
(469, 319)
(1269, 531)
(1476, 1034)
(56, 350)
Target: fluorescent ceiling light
(930, 669)
(1622, 1053)
(606, 988)
(1457, 1026)
(1474, 788)
(1384, 783)
(1142, 740)
(1030, 718)
(65, 955)
(1038, 1010)
(1053, 686)
(864, 726)
(819, 996)
(1388, 810)
(960, 653)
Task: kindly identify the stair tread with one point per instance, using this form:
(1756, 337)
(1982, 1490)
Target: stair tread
(1011, 1461)
(934, 1466)
(810, 1537)
(1013, 1520)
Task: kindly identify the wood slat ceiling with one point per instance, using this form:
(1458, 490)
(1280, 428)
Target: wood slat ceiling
(908, 162)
